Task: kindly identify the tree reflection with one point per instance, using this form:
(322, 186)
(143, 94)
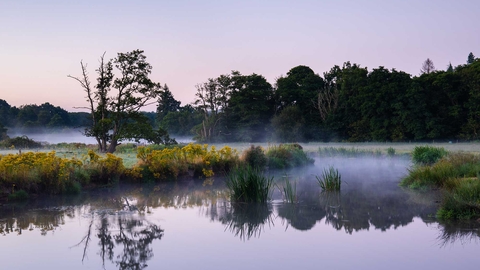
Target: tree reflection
(246, 220)
(124, 239)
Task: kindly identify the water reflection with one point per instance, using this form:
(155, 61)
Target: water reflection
(120, 228)
(458, 232)
(123, 239)
(246, 220)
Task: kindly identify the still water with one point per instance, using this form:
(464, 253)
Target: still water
(371, 224)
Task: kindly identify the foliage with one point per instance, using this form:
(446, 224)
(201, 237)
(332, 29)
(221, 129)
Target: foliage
(247, 184)
(427, 155)
(116, 117)
(462, 202)
(22, 142)
(331, 180)
(346, 152)
(193, 159)
(286, 156)
(289, 191)
(104, 170)
(255, 157)
(19, 195)
(391, 152)
(44, 172)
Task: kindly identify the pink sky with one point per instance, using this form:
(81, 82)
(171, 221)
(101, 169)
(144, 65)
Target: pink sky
(187, 42)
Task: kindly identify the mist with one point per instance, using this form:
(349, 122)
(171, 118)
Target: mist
(66, 135)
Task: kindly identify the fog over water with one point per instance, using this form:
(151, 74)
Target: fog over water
(53, 136)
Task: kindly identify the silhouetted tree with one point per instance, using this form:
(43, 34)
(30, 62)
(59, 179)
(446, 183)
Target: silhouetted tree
(427, 67)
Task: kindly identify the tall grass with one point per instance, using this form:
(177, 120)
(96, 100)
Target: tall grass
(462, 202)
(346, 152)
(289, 191)
(331, 180)
(427, 155)
(247, 184)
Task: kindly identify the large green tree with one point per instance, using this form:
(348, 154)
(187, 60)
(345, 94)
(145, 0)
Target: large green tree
(115, 101)
(250, 108)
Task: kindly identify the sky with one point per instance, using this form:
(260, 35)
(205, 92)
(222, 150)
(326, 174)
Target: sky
(187, 42)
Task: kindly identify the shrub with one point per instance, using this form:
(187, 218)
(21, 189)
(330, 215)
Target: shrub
(286, 156)
(427, 155)
(255, 157)
(22, 142)
(19, 195)
(247, 184)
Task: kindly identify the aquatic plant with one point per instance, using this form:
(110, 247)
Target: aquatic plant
(462, 202)
(427, 155)
(331, 180)
(390, 152)
(289, 191)
(247, 184)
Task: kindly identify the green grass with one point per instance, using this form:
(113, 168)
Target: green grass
(19, 195)
(461, 202)
(331, 180)
(427, 155)
(347, 152)
(289, 190)
(247, 184)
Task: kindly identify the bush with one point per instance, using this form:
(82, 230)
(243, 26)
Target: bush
(286, 156)
(22, 142)
(427, 155)
(19, 195)
(255, 157)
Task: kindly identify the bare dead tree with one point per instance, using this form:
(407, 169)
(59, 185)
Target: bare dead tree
(327, 100)
(427, 67)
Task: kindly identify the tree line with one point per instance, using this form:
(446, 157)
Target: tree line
(347, 103)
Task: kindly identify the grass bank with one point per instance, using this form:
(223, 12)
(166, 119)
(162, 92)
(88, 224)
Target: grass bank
(457, 175)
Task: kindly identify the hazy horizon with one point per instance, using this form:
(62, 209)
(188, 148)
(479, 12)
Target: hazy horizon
(188, 42)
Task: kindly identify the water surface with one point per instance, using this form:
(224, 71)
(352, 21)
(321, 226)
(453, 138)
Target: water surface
(371, 224)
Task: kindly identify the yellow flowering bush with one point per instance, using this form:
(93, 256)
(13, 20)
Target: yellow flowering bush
(104, 170)
(38, 171)
(192, 159)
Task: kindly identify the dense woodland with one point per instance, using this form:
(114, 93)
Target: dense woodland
(347, 103)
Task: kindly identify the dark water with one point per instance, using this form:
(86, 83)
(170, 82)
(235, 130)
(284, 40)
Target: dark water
(371, 224)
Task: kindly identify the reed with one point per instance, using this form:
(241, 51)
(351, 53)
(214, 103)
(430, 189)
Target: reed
(331, 180)
(289, 191)
(247, 184)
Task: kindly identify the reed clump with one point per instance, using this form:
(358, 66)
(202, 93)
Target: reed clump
(331, 180)
(289, 190)
(249, 185)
